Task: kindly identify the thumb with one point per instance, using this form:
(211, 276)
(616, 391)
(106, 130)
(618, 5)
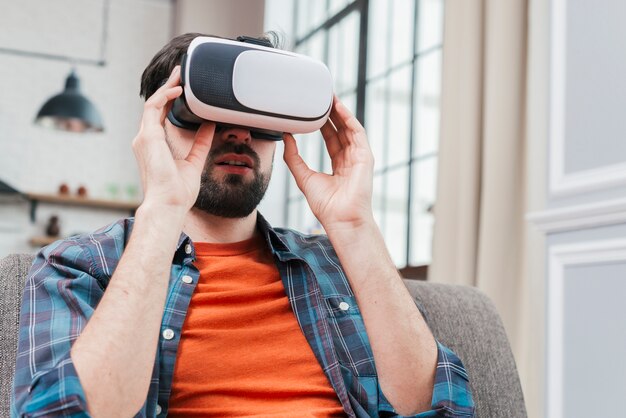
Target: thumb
(201, 145)
(298, 167)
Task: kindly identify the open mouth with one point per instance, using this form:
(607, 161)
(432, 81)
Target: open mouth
(234, 163)
(232, 159)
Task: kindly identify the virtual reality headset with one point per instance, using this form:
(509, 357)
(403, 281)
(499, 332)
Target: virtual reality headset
(248, 83)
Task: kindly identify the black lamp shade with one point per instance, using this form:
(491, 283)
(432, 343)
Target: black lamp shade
(6, 189)
(70, 110)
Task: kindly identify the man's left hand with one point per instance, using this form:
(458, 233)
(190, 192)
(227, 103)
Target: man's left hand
(342, 203)
(343, 198)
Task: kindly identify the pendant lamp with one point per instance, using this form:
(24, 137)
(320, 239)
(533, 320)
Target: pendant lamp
(7, 189)
(70, 110)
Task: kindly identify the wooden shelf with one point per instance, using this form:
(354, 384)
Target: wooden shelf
(70, 200)
(82, 201)
(42, 241)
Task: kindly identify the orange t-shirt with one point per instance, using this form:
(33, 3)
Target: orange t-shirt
(242, 351)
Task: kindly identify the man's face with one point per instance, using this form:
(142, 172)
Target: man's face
(236, 173)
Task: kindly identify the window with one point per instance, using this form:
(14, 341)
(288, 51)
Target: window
(385, 58)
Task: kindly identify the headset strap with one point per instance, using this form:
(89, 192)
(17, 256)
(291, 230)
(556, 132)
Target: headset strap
(256, 41)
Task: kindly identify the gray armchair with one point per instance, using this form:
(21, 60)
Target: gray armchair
(462, 318)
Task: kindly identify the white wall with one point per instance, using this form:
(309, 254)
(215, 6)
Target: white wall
(37, 160)
(576, 81)
(220, 17)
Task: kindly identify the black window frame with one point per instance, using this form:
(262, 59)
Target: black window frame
(363, 7)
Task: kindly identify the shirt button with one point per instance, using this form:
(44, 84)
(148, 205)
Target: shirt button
(188, 248)
(168, 334)
(344, 306)
(187, 279)
(158, 409)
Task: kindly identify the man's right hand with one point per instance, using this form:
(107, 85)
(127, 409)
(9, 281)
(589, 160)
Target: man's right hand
(168, 182)
(115, 353)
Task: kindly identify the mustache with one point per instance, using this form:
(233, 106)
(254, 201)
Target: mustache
(229, 147)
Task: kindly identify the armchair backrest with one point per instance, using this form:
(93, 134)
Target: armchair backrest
(13, 271)
(465, 320)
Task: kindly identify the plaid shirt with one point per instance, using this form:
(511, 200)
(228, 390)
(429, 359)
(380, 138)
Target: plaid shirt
(69, 277)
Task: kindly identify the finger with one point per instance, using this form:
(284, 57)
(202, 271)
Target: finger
(334, 116)
(163, 95)
(333, 144)
(201, 145)
(155, 108)
(167, 108)
(173, 79)
(353, 132)
(349, 120)
(300, 170)
(343, 132)
(341, 136)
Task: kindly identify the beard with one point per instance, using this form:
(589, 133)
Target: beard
(234, 196)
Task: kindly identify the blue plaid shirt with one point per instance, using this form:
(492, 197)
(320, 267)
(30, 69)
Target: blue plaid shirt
(69, 277)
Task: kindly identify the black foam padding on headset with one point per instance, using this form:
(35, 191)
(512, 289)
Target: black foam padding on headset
(211, 75)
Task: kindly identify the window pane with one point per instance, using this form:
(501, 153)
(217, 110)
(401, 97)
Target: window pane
(424, 183)
(326, 163)
(349, 100)
(396, 214)
(310, 15)
(318, 13)
(377, 201)
(292, 187)
(316, 45)
(349, 32)
(302, 21)
(403, 15)
(423, 192)
(427, 98)
(343, 49)
(375, 108)
(336, 5)
(310, 224)
(430, 27)
(397, 137)
(301, 218)
(309, 148)
(294, 210)
(378, 37)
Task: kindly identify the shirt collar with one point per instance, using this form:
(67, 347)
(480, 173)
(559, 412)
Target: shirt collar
(182, 241)
(277, 244)
(275, 241)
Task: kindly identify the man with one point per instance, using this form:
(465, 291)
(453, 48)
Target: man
(197, 307)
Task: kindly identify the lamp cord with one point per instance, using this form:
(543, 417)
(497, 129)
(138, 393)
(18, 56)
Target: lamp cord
(105, 31)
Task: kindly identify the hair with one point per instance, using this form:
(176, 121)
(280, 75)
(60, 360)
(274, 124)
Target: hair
(170, 55)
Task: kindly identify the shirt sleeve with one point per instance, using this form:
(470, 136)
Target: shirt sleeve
(60, 295)
(452, 396)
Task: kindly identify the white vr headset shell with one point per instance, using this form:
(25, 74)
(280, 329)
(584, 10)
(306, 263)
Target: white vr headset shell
(246, 84)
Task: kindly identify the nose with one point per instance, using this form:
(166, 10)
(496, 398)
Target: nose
(236, 134)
